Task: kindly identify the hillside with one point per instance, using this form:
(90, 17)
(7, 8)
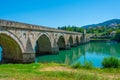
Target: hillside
(109, 23)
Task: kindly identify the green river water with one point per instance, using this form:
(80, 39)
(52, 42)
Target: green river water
(93, 52)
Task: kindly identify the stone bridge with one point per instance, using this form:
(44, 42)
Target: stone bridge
(21, 41)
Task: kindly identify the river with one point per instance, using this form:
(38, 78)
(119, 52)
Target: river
(93, 52)
(0, 53)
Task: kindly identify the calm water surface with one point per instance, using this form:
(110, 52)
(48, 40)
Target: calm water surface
(0, 53)
(94, 52)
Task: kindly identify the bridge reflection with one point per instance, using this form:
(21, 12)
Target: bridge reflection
(64, 56)
(94, 51)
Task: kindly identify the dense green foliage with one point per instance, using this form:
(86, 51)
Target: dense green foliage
(104, 28)
(97, 31)
(117, 36)
(88, 65)
(111, 62)
(72, 28)
(77, 65)
(103, 32)
(100, 29)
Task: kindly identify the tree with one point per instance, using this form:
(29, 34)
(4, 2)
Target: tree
(72, 28)
(117, 36)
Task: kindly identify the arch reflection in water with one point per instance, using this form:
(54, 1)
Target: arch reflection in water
(94, 52)
(1, 53)
(71, 41)
(64, 57)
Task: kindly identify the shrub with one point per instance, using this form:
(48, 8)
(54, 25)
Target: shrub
(110, 62)
(77, 65)
(88, 65)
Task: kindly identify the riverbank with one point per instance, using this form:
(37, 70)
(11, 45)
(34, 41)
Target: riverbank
(99, 40)
(53, 71)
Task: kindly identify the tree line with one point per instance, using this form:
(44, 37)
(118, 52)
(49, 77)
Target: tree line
(102, 30)
(72, 28)
(97, 31)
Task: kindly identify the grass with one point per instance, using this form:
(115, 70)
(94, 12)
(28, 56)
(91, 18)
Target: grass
(87, 65)
(53, 71)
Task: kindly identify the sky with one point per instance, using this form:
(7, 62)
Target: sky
(54, 13)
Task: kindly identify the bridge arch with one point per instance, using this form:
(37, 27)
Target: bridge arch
(61, 42)
(81, 39)
(71, 41)
(15, 38)
(12, 50)
(77, 40)
(43, 44)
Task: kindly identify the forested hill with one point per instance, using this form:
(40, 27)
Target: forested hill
(108, 26)
(109, 23)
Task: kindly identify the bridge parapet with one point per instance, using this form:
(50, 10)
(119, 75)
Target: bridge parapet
(13, 24)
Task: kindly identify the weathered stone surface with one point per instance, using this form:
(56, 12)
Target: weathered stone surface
(28, 57)
(33, 39)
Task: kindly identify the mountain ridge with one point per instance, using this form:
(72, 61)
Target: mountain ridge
(108, 23)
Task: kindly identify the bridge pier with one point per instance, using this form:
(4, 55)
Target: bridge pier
(67, 46)
(55, 50)
(28, 57)
(74, 45)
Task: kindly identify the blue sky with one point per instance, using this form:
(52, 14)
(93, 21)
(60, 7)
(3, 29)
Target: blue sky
(54, 13)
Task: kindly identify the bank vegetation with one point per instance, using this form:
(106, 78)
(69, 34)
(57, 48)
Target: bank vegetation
(53, 71)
